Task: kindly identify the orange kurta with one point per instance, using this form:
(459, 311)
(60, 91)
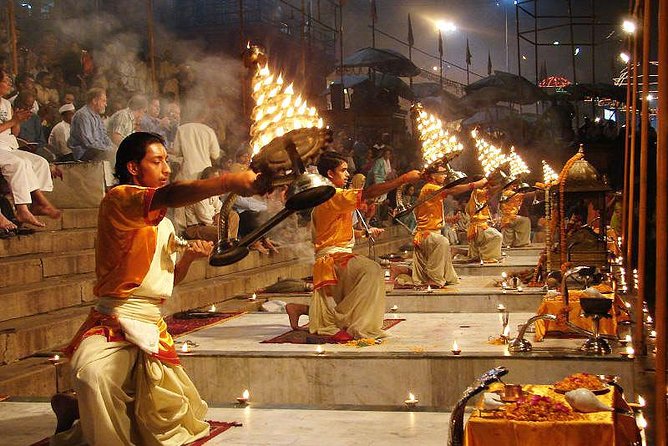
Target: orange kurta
(333, 236)
(127, 240)
(479, 220)
(510, 207)
(429, 215)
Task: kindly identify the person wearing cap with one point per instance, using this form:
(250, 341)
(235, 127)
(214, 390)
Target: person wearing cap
(516, 228)
(61, 133)
(432, 260)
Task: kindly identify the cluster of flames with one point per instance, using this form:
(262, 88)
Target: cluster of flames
(490, 156)
(549, 175)
(518, 167)
(277, 109)
(437, 142)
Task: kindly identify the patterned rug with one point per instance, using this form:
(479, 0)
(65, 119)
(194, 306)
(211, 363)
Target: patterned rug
(184, 323)
(217, 428)
(304, 337)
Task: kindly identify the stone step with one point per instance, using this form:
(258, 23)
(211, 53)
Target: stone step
(23, 337)
(71, 219)
(51, 294)
(34, 377)
(33, 268)
(416, 358)
(48, 242)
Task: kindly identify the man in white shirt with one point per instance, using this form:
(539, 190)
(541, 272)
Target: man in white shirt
(61, 133)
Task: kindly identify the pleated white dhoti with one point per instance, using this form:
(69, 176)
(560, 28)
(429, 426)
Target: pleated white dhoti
(432, 261)
(518, 232)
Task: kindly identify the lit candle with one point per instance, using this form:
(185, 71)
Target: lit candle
(649, 319)
(253, 297)
(482, 263)
(244, 398)
(212, 309)
(641, 401)
(629, 351)
(185, 348)
(394, 308)
(455, 348)
(55, 359)
(319, 350)
(428, 288)
(411, 401)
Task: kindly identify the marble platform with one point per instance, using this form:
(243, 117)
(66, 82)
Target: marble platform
(416, 357)
(23, 423)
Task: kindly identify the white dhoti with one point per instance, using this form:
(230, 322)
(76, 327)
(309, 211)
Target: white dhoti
(518, 232)
(486, 245)
(355, 304)
(129, 396)
(432, 261)
(25, 172)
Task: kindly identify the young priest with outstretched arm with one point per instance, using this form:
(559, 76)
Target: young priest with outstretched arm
(349, 290)
(130, 387)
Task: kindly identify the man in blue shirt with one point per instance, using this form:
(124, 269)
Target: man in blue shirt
(88, 136)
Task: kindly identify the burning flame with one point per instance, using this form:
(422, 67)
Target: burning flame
(517, 165)
(437, 142)
(411, 397)
(549, 175)
(246, 394)
(455, 346)
(490, 156)
(277, 110)
(185, 348)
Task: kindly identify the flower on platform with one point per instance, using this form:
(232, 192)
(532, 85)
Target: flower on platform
(277, 109)
(437, 142)
(363, 342)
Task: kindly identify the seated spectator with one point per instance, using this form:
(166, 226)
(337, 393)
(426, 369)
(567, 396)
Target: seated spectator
(7, 227)
(25, 81)
(151, 121)
(126, 121)
(27, 174)
(46, 94)
(202, 217)
(174, 115)
(61, 133)
(31, 133)
(69, 98)
(88, 137)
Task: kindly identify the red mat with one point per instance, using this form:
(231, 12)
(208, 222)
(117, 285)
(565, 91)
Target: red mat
(217, 428)
(304, 337)
(179, 327)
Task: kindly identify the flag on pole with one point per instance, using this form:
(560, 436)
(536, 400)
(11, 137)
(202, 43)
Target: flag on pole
(440, 44)
(468, 53)
(374, 13)
(543, 71)
(411, 40)
(489, 63)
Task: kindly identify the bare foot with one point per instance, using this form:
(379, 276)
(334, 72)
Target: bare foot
(66, 408)
(48, 211)
(5, 224)
(269, 244)
(24, 215)
(257, 246)
(294, 312)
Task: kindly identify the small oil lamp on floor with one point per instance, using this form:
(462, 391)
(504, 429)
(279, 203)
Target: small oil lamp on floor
(412, 401)
(244, 398)
(455, 348)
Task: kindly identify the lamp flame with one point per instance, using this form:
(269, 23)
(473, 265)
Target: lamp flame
(437, 142)
(549, 175)
(277, 111)
(490, 156)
